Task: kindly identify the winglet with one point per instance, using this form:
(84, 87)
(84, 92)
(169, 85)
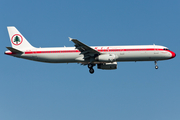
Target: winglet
(70, 39)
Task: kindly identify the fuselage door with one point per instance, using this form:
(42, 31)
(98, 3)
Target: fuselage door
(156, 50)
(34, 55)
(121, 51)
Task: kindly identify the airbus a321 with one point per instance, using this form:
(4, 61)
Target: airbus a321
(105, 57)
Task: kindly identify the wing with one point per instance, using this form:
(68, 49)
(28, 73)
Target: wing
(84, 49)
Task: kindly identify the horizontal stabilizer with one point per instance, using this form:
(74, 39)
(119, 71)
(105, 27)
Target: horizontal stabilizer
(14, 50)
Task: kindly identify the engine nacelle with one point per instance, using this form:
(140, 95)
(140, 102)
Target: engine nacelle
(107, 66)
(106, 58)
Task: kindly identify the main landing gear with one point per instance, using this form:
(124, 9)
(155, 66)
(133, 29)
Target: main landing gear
(90, 66)
(156, 67)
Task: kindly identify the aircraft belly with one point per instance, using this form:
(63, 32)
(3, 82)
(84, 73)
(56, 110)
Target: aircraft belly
(51, 58)
(58, 58)
(75, 57)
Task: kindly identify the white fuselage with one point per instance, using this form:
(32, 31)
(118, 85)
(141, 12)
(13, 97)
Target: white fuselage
(105, 57)
(121, 53)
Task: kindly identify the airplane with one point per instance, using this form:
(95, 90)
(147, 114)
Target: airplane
(105, 57)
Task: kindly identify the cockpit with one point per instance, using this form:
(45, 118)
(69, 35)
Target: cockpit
(165, 49)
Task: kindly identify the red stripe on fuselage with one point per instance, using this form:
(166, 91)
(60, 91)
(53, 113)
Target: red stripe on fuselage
(100, 50)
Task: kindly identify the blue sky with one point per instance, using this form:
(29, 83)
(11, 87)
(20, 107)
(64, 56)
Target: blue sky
(39, 91)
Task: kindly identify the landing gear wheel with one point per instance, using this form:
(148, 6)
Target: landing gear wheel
(156, 67)
(90, 66)
(91, 70)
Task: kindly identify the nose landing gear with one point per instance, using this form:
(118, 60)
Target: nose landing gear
(156, 67)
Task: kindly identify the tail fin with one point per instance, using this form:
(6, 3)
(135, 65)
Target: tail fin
(17, 39)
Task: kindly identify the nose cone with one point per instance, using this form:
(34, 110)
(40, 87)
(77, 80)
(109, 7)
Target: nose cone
(173, 54)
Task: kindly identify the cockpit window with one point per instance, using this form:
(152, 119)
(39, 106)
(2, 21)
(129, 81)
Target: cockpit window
(165, 49)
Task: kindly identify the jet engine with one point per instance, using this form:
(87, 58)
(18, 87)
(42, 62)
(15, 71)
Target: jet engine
(106, 58)
(107, 66)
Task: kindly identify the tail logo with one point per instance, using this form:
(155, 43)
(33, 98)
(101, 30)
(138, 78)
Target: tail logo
(17, 39)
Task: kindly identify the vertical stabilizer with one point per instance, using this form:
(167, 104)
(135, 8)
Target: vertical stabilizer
(18, 41)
